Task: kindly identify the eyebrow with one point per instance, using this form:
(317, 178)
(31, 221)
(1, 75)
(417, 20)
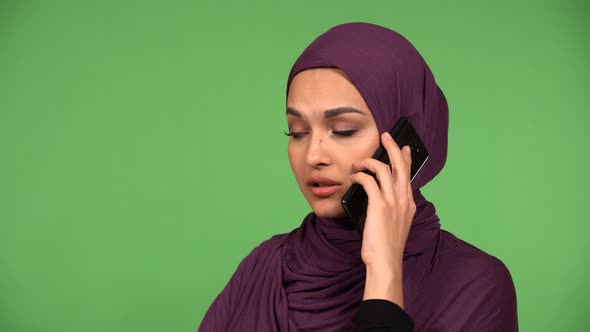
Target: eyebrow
(330, 113)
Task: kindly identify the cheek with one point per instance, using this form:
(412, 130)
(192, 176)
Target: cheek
(371, 148)
(372, 144)
(362, 150)
(294, 159)
(291, 153)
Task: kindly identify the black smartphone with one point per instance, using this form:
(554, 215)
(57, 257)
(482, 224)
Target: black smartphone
(355, 200)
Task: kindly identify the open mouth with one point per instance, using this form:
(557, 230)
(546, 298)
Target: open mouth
(321, 185)
(320, 182)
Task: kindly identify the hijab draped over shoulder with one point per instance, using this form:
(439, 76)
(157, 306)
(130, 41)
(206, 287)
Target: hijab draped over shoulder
(312, 279)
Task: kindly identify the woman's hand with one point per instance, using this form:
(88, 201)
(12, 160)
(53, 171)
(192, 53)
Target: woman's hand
(390, 212)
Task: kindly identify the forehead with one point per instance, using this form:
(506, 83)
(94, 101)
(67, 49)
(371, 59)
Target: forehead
(318, 89)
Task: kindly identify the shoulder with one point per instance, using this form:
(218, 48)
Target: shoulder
(479, 284)
(264, 258)
(471, 264)
(275, 242)
(265, 251)
(257, 272)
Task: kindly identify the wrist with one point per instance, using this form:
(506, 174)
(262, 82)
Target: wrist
(384, 283)
(385, 269)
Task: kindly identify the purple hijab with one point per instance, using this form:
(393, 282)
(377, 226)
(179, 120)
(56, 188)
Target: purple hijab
(312, 279)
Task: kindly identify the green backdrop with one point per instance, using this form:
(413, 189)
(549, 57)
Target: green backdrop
(142, 153)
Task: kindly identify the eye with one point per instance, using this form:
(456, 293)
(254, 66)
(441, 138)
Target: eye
(344, 132)
(295, 134)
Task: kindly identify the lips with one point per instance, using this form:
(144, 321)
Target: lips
(323, 187)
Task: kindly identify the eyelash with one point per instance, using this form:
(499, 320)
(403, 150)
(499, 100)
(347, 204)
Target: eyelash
(294, 134)
(342, 133)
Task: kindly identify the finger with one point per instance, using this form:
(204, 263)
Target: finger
(398, 162)
(370, 185)
(407, 153)
(383, 173)
(401, 170)
(411, 204)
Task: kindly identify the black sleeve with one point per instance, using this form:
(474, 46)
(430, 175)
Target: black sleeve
(383, 316)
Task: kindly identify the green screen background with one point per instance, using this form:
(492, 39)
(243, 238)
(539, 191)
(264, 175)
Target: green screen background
(142, 153)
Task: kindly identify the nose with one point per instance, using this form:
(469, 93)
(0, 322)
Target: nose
(317, 155)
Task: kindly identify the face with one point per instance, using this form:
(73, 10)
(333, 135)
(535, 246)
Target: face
(330, 127)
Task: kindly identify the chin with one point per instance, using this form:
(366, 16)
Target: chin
(328, 209)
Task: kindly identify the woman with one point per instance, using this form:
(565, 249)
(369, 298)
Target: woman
(349, 86)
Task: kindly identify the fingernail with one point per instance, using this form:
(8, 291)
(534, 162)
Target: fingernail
(387, 135)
